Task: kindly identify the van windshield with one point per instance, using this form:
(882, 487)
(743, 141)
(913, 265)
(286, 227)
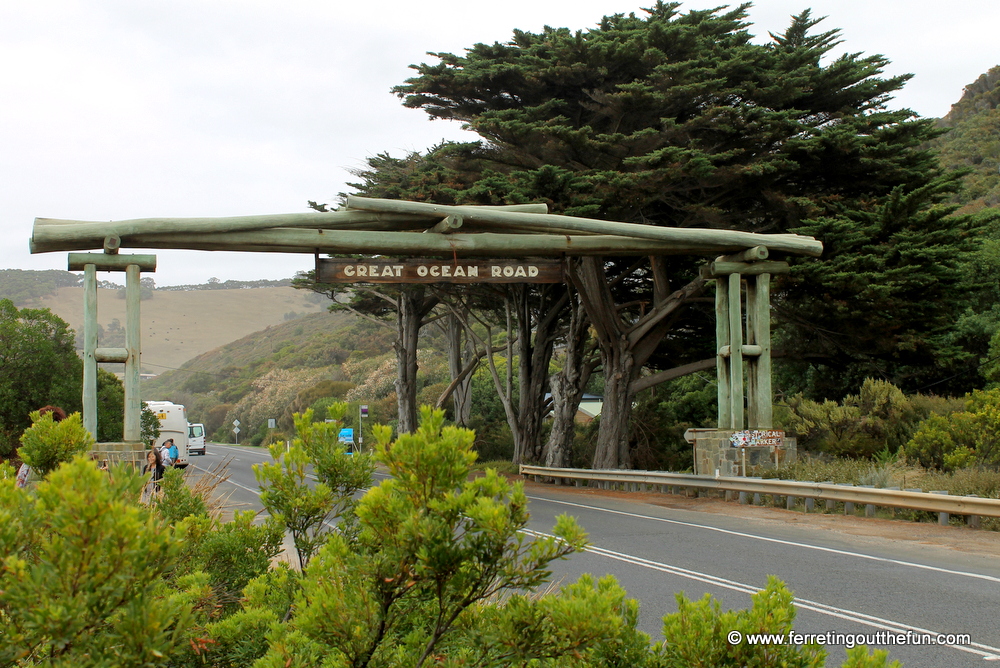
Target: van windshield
(195, 431)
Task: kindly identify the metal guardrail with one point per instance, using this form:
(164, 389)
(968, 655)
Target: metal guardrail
(932, 502)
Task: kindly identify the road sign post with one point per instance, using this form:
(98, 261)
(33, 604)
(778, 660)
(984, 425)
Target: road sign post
(236, 430)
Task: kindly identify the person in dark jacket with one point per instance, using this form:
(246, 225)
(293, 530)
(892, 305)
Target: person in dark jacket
(154, 465)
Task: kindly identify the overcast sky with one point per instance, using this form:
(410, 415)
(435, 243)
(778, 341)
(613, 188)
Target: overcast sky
(116, 109)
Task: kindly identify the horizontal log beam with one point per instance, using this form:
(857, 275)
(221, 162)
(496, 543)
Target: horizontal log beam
(400, 244)
(747, 349)
(739, 241)
(111, 354)
(107, 262)
(48, 231)
(749, 255)
(717, 269)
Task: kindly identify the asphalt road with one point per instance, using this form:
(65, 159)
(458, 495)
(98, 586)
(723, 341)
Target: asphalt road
(843, 583)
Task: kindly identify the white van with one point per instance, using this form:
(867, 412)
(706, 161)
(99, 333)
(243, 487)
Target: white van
(173, 424)
(196, 438)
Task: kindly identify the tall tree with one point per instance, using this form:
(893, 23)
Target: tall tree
(678, 119)
(39, 367)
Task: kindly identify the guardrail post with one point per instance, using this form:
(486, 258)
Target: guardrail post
(848, 507)
(756, 499)
(974, 521)
(743, 498)
(830, 503)
(943, 518)
(893, 509)
(789, 502)
(810, 504)
(869, 507)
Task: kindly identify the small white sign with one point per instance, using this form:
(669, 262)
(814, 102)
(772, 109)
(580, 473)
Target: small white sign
(236, 423)
(236, 430)
(272, 423)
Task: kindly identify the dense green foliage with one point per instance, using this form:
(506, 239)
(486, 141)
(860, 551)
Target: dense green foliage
(680, 120)
(40, 368)
(310, 511)
(46, 443)
(880, 417)
(440, 571)
(81, 576)
(970, 437)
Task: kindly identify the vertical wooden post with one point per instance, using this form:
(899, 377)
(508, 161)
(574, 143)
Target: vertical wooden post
(735, 352)
(761, 390)
(722, 339)
(750, 362)
(133, 406)
(90, 349)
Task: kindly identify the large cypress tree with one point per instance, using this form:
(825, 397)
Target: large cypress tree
(678, 119)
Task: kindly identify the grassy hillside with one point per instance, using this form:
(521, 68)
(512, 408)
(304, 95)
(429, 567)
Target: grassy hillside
(284, 368)
(180, 325)
(973, 140)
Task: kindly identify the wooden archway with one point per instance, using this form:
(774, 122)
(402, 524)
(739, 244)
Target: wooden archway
(402, 228)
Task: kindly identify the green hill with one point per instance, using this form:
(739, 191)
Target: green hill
(973, 142)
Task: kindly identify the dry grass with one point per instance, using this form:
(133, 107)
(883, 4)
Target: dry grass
(180, 325)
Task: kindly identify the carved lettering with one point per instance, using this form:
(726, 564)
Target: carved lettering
(379, 270)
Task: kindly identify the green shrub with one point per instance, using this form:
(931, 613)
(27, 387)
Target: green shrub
(970, 437)
(879, 417)
(81, 569)
(177, 500)
(699, 634)
(46, 443)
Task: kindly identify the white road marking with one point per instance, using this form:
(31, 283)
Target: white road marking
(986, 651)
(780, 541)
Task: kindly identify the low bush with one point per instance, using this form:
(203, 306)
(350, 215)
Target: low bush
(879, 417)
(970, 437)
(46, 443)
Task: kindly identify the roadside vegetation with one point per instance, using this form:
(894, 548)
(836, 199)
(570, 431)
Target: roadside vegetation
(431, 567)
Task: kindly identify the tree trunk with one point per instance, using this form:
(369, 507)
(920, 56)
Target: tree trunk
(625, 348)
(412, 307)
(567, 390)
(533, 367)
(460, 354)
(613, 436)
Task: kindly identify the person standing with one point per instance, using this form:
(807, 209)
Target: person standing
(173, 452)
(165, 458)
(153, 465)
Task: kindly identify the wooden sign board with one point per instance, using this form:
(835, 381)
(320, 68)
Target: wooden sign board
(417, 270)
(756, 438)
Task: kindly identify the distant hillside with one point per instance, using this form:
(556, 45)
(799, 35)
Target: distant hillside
(316, 340)
(974, 140)
(263, 375)
(178, 325)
